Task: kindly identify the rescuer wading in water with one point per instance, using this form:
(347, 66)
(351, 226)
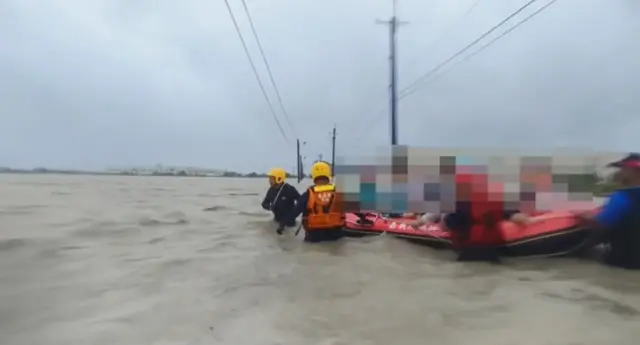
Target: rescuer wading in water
(281, 196)
(321, 208)
(618, 222)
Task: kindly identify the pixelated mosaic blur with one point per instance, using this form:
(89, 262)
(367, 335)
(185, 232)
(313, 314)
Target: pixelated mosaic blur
(408, 179)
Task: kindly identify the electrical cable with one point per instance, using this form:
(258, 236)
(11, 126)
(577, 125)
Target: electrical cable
(482, 48)
(255, 71)
(366, 129)
(425, 76)
(467, 58)
(266, 62)
(441, 38)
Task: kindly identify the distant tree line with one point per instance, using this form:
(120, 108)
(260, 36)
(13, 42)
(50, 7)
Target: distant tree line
(251, 174)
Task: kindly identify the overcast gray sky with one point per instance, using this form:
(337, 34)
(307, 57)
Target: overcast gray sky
(99, 83)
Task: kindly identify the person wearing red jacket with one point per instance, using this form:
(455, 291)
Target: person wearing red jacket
(474, 225)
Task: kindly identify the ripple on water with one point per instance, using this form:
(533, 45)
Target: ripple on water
(171, 218)
(216, 208)
(156, 240)
(113, 231)
(251, 214)
(22, 210)
(148, 221)
(54, 251)
(594, 301)
(12, 244)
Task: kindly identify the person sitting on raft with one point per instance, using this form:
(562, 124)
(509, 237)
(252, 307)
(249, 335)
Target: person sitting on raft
(426, 219)
(474, 223)
(321, 208)
(618, 222)
(281, 196)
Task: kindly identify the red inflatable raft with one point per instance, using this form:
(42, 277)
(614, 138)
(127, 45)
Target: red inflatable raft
(549, 234)
(431, 235)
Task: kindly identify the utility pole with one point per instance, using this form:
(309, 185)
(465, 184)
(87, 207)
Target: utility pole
(298, 171)
(333, 151)
(393, 24)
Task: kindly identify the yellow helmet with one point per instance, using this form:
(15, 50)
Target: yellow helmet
(320, 169)
(278, 175)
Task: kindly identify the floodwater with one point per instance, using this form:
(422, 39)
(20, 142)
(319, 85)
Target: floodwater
(135, 260)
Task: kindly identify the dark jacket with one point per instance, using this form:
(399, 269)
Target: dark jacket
(299, 209)
(284, 204)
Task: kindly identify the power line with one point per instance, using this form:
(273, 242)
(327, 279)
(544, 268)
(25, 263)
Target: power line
(467, 58)
(266, 62)
(364, 130)
(482, 48)
(407, 90)
(446, 33)
(255, 71)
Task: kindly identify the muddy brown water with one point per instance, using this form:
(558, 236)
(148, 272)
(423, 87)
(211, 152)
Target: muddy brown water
(135, 260)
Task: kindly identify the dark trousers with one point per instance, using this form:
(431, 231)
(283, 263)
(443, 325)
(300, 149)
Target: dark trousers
(324, 235)
(289, 223)
(613, 259)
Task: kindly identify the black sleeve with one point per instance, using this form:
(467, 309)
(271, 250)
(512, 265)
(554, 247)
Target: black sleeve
(268, 199)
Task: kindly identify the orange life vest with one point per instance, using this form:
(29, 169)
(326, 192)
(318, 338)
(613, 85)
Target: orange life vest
(324, 210)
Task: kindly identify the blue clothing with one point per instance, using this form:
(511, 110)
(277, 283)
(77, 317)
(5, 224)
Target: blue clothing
(618, 205)
(620, 220)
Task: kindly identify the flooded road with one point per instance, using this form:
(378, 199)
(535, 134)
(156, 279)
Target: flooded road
(135, 260)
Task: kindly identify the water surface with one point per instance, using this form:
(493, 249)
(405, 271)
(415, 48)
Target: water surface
(135, 260)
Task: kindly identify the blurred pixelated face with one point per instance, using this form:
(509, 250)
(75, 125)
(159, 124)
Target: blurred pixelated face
(272, 180)
(464, 191)
(627, 176)
(447, 166)
(536, 177)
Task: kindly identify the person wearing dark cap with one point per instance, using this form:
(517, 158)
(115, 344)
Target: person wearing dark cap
(618, 222)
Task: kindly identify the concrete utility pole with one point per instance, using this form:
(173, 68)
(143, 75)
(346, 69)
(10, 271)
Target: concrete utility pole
(299, 170)
(393, 24)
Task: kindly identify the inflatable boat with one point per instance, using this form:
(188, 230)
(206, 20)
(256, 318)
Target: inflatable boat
(549, 234)
(431, 235)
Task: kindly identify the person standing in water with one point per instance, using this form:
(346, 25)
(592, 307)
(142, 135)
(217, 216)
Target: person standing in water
(281, 196)
(321, 208)
(618, 222)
